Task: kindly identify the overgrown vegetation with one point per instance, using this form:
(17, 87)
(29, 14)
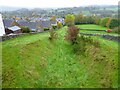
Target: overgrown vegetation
(59, 25)
(53, 34)
(46, 29)
(116, 30)
(25, 29)
(82, 42)
(72, 34)
(70, 20)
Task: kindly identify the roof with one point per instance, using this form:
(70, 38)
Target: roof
(46, 24)
(8, 22)
(22, 22)
(14, 28)
(32, 25)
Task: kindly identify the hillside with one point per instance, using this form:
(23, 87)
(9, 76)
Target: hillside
(32, 61)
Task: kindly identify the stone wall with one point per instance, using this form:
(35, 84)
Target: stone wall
(7, 37)
(113, 38)
(106, 36)
(109, 37)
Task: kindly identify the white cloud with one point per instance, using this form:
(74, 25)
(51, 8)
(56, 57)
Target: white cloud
(55, 3)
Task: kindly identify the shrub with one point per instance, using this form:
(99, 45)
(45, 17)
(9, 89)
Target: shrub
(104, 21)
(54, 26)
(72, 34)
(114, 23)
(108, 23)
(59, 24)
(53, 34)
(46, 29)
(116, 30)
(97, 21)
(81, 44)
(25, 29)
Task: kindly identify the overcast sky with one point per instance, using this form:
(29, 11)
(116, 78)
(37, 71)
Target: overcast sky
(55, 3)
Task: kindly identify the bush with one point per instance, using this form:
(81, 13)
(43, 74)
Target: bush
(104, 22)
(59, 24)
(116, 30)
(97, 21)
(81, 44)
(46, 29)
(54, 26)
(53, 34)
(25, 29)
(72, 34)
(114, 23)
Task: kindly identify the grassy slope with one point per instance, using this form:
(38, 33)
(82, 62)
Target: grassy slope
(34, 61)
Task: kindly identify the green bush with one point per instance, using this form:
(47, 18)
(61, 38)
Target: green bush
(53, 35)
(81, 44)
(25, 29)
(59, 24)
(54, 27)
(46, 29)
(104, 21)
(114, 23)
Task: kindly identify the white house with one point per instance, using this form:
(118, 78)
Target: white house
(2, 29)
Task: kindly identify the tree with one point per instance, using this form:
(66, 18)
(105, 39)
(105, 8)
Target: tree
(72, 34)
(104, 21)
(114, 23)
(97, 20)
(79, 19)
(69, 20)
(108, 23)
(59, 24)
(25, 29)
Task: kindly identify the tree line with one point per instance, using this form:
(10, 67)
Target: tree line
(93, 19)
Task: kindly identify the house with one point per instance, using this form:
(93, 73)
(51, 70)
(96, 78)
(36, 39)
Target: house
(34, 26)
(2, 29)
(13, 29)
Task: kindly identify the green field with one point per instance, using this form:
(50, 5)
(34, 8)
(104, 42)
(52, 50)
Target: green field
(94, 27)
(32, 61)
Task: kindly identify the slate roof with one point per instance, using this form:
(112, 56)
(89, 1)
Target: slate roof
(22, 22)
(14, 28)
(8, 22)
(46, 24)
(32, 25)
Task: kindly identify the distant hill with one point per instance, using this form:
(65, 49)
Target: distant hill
(6, 8)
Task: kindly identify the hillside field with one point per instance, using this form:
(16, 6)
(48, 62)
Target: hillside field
(33, 61)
